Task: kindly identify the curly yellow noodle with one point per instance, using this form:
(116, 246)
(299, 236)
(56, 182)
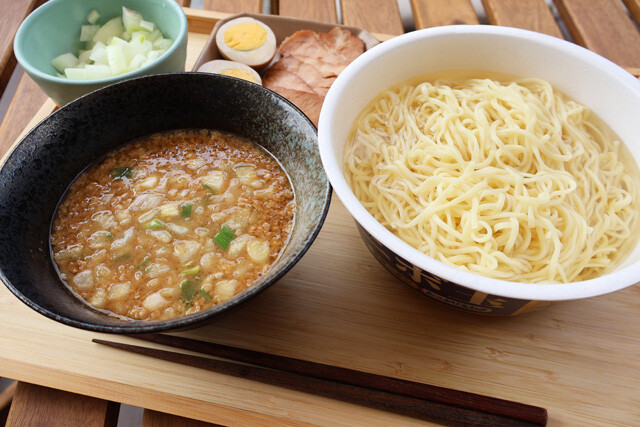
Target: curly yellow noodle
(507, 179)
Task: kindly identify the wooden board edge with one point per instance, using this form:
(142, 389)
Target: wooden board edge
(47, 108)
(634, 71)
(203, 21)
(383, 37)
(45, 405)
(7, 395)
(146, 398)
(199, 21)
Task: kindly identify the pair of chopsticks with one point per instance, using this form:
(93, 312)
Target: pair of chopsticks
(417, 400)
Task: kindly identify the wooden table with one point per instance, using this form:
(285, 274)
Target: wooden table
(580, 359)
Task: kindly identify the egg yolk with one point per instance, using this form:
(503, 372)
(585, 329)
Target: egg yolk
(245, 36)
(239, 73)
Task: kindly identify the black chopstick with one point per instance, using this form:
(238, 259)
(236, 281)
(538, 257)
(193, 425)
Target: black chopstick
(476, 402)
(527, 414)
(403, 405)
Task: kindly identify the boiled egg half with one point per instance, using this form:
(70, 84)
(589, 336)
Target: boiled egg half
(231, 68)
(248, 41)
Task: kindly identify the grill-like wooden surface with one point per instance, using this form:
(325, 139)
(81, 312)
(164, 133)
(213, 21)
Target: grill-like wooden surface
(339, 306)
(532, 15)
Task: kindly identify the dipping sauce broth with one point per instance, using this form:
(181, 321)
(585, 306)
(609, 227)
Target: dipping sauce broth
(172, 224)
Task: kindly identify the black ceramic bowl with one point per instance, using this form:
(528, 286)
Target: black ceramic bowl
(37, 172)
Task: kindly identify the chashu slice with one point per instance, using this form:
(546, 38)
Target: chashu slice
(343, 42)
(309, 65)
(309, 103)
(307, 72)
(283, 78)
(307, 47)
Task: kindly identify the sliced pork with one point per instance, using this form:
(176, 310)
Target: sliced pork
(309, 64)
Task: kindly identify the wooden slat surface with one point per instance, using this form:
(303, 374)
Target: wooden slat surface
(339, 306)
(161, 419)
(13, 13)
(318, 10)
(634, 8)
(6, 396)
(34, 405)
(201, 22)
(433, 13)
(532, 15)
(25, 103)
(153, 418)
(604, 27)
(379, 16)
(234, 6)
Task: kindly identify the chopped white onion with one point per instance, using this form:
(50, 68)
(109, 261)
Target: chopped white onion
(121, 45)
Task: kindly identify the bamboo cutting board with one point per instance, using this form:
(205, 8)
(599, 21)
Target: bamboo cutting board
(339, 306)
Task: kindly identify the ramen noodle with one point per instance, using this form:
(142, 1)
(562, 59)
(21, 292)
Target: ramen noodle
(508, 179)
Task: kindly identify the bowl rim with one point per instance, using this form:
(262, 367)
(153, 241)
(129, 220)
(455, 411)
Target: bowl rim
(31, 70)
(607, 283)
(195, 319)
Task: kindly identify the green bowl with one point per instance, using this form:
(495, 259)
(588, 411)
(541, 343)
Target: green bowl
(54, 29)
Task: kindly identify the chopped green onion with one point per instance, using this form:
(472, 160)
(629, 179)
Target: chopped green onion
(224, 237)
(208, 187)
(186, 291)
(144, 262)
(109, 236)
(192, 271)
(154, 224)
(122, 257)
(204, 294)
(186, 210)
(123, 172)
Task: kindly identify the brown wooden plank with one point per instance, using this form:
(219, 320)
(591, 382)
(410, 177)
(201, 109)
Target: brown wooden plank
(34, 405)
(604, 27)
(160, 419)
(634, 8)
(433, 13)
(379, 16)
(318, 10)
(533, 15)
(6, 396)
(203, 21)
(634, 71)
(25, 103)
(12, 13)
(235, 6)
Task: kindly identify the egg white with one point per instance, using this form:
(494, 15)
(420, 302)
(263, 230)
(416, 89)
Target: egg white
(218, 66)
(257, 58)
